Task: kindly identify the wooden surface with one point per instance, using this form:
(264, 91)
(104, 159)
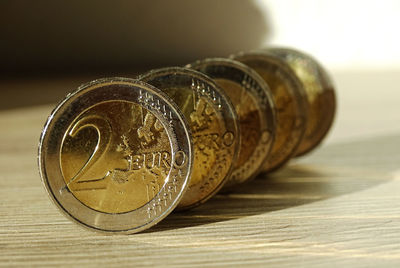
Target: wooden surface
(338, 207)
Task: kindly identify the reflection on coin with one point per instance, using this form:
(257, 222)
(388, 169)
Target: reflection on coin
(320, 95)
(213, 123)
(116, 155)
(289, 97)
(255, 109)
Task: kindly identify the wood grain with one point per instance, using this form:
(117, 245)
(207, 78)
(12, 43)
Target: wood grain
(339, 206)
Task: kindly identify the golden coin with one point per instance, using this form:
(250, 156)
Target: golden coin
(254, 106)
(289, 97)
(320, 95)
(116, 155)
(213, 123)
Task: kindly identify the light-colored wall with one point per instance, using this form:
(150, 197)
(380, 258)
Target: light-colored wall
(343, 34)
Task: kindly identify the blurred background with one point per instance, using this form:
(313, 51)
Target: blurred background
(48, 48)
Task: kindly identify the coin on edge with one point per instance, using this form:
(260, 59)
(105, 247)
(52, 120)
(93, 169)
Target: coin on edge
(116, 155)
(254, 106)
(320, 95)
(290, 103)
(213, 123)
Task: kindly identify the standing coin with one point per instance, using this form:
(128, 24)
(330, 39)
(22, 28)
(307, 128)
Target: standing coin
(213, 123)
(289, 97)
(320, 95)
(116, 155)
(254, 106)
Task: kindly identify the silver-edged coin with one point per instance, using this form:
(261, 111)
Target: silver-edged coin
(255, 108)
(289, 97)
(213, 123)
(320, 95)
(116, 155)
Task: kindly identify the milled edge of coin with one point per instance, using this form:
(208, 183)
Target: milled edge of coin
(250, 81)
(300, 98)
(147, 210)
(204, 78)
(325, 82)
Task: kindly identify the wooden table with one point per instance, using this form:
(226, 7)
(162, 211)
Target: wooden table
(339, 206)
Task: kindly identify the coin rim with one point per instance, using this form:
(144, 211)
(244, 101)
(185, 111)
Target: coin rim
(298, 89)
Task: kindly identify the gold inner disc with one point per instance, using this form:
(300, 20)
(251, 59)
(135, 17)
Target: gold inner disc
(286, 113)
(249, 118)
(320, 97)
(313, 88)
(213, 144)
(115, 157)
(285, 107)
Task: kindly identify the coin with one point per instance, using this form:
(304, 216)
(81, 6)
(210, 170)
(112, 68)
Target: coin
(289, 97)
(320, 95)
(214, 127)
(254, 106)
(116, 155)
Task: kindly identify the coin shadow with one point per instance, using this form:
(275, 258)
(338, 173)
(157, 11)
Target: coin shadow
(125, 34)
(298, 184)
(114, 38)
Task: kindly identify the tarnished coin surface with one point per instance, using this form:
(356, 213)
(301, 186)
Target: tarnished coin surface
(289, 97)
(320, 95)
(213, 123)
(254, 106)
(116, 155)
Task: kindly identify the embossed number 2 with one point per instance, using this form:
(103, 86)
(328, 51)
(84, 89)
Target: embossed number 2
(103, 129)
